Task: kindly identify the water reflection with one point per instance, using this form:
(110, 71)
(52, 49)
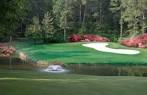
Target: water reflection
(84, 69)
(108, 70)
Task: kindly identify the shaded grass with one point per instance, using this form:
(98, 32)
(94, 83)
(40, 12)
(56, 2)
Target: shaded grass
(16, 82)
(76, 53)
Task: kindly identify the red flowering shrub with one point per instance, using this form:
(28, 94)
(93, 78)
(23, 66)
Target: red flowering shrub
(74, 38)
(138, 41)
(87, 38)
(95, 38)
(8, 51)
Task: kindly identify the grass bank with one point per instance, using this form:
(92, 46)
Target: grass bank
(76, 53)
(14, 82)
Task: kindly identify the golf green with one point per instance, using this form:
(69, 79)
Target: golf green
(76, 53)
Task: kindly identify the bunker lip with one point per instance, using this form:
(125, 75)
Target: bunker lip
(103, 48)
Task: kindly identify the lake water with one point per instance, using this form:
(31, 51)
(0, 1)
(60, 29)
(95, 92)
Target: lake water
(83, 69)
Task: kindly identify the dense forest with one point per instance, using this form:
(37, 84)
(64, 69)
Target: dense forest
(55, 20)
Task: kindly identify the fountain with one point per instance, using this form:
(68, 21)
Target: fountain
(55, 69)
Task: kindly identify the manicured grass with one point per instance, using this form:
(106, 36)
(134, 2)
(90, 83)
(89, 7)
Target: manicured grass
(16, 82)
(76, 53)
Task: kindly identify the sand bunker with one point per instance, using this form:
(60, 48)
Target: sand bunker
(103, 47)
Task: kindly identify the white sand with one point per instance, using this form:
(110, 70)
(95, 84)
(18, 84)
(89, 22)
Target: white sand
(103, 47)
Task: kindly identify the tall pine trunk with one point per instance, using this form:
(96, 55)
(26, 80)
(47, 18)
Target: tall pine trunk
(143, 22)
(65, 26)
(121, 26)
(100, 12)
(84, 18)
(80, 13)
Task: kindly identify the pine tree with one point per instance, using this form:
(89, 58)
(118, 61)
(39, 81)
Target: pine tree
(34, 29)
(132, 14)
(117, 8)
(62, 10)
(47, 27)
(12, 12)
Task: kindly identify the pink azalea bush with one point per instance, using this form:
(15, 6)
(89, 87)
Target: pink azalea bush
(95, 38)
(7, 51)
(87, 38)
(75, 38)
(139, 41)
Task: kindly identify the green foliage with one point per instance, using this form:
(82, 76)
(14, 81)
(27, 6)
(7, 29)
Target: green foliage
(73, 16)
(42, 30)
(48, 26)
(62, 9)
(12, 12)
(34, 29)
(131, 14)
(38, 8)
(3, 34)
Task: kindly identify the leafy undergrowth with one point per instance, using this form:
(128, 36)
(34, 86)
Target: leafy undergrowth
(14, 82)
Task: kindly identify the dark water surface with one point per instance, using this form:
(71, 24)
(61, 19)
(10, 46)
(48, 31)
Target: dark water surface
(84, 69)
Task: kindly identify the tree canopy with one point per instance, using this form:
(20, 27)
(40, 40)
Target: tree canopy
(112, 18)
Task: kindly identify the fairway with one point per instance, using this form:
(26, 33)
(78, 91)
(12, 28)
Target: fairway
(76, 53)
(14, 82)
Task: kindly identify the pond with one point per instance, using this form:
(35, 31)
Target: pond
(83, 69)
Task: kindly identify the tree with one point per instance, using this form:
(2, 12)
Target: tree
(47, 27)
(143, 8)
(62, 11)
(38, 8)
(117, 8)
(131, 14)
(12, 11)
(34, 29)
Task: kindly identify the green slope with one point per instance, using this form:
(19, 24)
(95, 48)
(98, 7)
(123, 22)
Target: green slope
(76, 53)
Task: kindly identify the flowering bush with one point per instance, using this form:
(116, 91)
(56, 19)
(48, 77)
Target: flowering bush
(138, 41)
(74, 38)
(7, 51)
(95, 38)
(87, 38)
